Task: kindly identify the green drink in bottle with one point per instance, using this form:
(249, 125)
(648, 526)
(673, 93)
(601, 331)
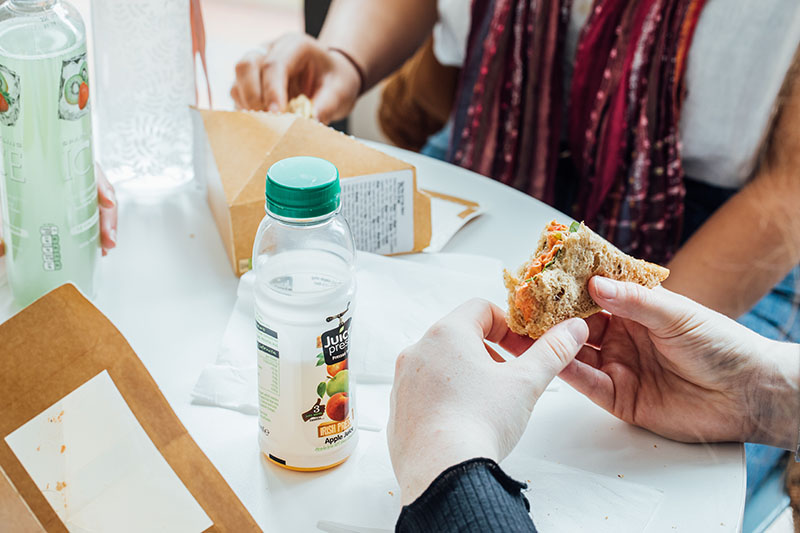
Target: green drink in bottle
(49, 195)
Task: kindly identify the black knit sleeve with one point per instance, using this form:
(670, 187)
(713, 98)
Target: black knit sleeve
(475, 495)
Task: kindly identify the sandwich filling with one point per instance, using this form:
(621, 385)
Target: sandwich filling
(523, 297)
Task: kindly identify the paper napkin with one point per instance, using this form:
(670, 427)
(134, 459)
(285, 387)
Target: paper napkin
(397, 300)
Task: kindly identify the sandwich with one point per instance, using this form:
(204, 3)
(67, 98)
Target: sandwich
(553, 285)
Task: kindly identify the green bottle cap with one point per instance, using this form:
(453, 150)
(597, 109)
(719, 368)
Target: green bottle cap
(302, 187)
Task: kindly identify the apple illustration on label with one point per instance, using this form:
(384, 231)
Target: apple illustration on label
(339, 383)
(337, 407)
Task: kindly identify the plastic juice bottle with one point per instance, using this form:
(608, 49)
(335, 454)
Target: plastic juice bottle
(49, 195)
(303, 258)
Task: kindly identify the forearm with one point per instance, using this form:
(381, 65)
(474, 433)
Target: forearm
(744, 249)
(775, 395)
(753, 240)
(380, 36)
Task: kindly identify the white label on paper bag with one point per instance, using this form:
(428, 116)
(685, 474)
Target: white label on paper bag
(99, 470)
(380, 211)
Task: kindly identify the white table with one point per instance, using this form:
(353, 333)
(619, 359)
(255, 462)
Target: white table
(169, 289)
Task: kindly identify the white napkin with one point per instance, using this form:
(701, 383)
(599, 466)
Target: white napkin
(397, 300)
(448, 216)
(562, 498)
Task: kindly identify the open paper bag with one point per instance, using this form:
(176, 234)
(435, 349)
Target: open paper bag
(87, 440)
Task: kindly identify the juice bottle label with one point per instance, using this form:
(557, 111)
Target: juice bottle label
(49, 193)
(313, 413)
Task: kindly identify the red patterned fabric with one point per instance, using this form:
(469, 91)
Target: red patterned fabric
(622, 123)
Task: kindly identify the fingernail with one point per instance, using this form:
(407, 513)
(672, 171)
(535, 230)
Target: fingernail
(605, 288)
(112, 235)
(578, 329)
(273, 107)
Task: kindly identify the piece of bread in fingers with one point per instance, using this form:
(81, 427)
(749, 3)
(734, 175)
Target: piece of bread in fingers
(301, 105)
(553, 285)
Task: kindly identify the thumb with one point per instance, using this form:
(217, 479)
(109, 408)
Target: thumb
(657, 309)
(555, 350)
(329, 104)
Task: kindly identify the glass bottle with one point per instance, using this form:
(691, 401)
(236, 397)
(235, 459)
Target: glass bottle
(49, 193)
(145, 84)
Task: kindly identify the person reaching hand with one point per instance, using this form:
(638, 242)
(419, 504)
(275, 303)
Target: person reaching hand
(685, 372)
(107, 203)
(446, 441)
(654, 359)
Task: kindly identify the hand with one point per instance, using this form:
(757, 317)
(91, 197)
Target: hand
(454, 398)
(668, 364)
(292, 65)
(107, 201)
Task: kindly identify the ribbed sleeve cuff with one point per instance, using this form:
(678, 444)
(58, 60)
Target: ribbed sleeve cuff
(475, 495)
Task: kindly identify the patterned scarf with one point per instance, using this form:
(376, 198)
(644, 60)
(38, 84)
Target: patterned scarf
(622, 125)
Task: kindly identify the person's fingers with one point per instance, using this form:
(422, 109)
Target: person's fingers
(325, 105)
(236, 98)
(330, 104)
(554, 350)
(487, 322)
(248, 81)
(598, 323)
(337, 92)
(491, 321)
(487, 319)
(106, 196)
(107, 205)
(590, 356)
(657, 309)
(493, 353)
(108, 227)
(298, 59)
(274, 82)
(591, 382)
(515, 344)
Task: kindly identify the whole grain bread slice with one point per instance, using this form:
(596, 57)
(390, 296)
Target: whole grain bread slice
(560, 291)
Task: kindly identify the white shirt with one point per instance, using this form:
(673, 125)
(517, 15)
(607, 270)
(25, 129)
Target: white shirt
(737, 65)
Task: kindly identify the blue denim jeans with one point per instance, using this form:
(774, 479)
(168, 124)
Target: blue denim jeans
(437, 144)
(777, 315)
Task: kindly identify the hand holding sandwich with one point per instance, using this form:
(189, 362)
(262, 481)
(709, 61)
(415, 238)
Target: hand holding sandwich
(668, 364)
(453, 399)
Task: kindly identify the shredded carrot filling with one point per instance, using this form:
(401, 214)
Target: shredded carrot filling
(523, 300)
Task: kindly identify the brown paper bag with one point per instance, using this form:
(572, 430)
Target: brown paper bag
(50, 349)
